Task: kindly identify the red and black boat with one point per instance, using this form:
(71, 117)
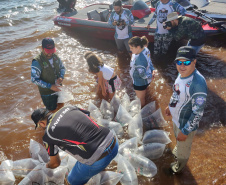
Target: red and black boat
(93, 21)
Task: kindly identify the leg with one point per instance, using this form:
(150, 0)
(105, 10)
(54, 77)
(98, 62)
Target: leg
(167, 39)
(196, 48)
(157, 43)
(182, 151)
(50, 101)
(127, 46)
(120, 45)
(141, 95)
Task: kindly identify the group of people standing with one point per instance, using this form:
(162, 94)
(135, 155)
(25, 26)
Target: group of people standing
(94, 146)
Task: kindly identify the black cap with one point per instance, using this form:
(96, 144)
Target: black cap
(186, 52)
(39, 114)
(117, 3)
(48, 45)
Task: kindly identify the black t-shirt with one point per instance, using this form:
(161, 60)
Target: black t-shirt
(72, 130)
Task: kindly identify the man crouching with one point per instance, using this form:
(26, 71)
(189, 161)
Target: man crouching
(72, 130)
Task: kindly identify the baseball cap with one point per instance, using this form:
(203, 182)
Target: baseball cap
(48, 45)
(39, 114)
(186, 52)
(172, 16)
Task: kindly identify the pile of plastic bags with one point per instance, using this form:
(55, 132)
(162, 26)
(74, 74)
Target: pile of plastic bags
(134, 157)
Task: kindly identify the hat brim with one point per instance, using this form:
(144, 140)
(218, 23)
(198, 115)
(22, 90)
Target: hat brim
(184, 58)
(173, 18)
(50, 50)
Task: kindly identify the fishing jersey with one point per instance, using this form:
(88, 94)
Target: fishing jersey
(141, 68)
(36, 71)
(124, 31)
(189, 28)
(161, 12)
(73, 131)
(188, 101)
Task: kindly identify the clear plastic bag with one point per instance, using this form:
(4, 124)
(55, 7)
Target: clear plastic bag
(135, 107)
(148, 109)
(6, 174)
(94, 111)
(112, 125)
(135, 127)
(142, 165)
(126, 101)
(128, 146)
(115, 102)
(24, 166)
(64, 96)
(36, 150)
(95, 180)
(107, 110)
(110, 177)
(154, 120)
(123, 117)
(151, 150)
(156, 136)
(129, 175)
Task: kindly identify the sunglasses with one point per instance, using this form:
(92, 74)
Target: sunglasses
(186, 63)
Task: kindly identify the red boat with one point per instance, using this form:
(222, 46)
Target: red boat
(93, 21)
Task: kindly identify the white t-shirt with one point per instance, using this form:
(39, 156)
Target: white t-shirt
(162, 11)
(107, 72)
(122, 31)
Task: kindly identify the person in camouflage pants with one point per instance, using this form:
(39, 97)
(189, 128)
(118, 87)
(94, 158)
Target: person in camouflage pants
(186, 28)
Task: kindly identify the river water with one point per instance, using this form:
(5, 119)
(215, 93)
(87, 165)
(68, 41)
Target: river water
(24, 23)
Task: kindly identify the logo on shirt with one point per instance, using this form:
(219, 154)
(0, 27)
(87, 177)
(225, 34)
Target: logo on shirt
(162, 15)
(188, 84)
(200, 100)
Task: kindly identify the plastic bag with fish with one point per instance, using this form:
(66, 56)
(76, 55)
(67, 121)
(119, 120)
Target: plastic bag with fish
(112, 125)
(129, 175)
(107, 110)
(154, 120)
(126, 101)
(6, 174)
(123, 117)
(142, 165)
(135, 107)
(129, 146)
(135, 127)
(151, 150)
(156, 136)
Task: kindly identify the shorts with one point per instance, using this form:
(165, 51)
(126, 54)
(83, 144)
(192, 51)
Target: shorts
(122, 44)
(81, 173)
(50, 101)
(113, 84)
(140, 88)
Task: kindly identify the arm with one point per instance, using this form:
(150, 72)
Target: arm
(35, 75)
(154, 16)
(167, 111)
(178, 8)
(178, 32)
(130, 20)
(101, 82)
(62, 73)
(54, 162)
(198, 104)
(111, 20)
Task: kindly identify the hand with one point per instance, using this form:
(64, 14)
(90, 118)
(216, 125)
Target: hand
(55, 88)
(104, 93)
(167, 111)
(114, 23)
(181, 137)
(148, 27)
(154, 73)
(59, 80)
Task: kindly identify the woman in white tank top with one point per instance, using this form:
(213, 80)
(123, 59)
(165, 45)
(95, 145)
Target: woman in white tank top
(108, 81)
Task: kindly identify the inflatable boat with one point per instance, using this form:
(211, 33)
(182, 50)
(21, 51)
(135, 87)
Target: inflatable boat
(93, 21)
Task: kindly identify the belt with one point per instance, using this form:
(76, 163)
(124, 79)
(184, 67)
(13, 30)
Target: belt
(106, 152)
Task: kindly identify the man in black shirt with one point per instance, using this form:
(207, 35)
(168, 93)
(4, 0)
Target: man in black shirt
(72, 130)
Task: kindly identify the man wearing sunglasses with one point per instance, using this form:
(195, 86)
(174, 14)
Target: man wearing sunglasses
(186, 105)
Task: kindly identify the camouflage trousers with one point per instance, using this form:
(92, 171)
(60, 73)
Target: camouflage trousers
(161, 43)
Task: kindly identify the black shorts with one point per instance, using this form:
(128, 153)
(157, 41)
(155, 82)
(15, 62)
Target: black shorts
(140, 88)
